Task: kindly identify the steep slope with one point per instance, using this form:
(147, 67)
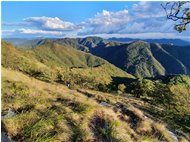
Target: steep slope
(54, 62)
(141, 59)
(16, 59)
(84, 44)
(62, 55)
(169, 62)
(147, 60)
(182, 53)
(52, 112)
(135, 58)
(141, 62)
(36, 106)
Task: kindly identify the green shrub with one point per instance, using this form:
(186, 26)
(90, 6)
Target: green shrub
(102, 87)
(142, 87)
(43, 74)
(121, 88)
(19, 88)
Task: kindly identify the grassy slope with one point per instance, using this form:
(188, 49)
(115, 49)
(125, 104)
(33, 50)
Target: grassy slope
(53, 62)
(20, 93)
(54, 54)
(51, 112)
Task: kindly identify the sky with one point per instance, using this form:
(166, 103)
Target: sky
(61, 19)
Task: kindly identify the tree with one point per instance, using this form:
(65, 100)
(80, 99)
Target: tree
(179, 12)
(143, 87)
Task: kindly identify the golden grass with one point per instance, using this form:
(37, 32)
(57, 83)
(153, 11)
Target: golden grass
(66, 115)
(162, 132)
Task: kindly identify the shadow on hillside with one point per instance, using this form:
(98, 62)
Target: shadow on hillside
(113, 86)
(122, 80)
(164, 78)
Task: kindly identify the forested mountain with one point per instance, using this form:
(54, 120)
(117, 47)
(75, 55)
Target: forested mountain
(139, 58)
(143, 59)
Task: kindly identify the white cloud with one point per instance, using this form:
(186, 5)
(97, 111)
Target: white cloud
(33, 31)
(5, 33)
(143, 17)
(15, 24)
(148, 9)
(49, 23)
(107, 22)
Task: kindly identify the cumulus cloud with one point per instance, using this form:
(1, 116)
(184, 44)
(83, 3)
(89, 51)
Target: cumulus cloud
(45, 26)
(143, 17)
(49, 23)
(107, 22)
(147, 9)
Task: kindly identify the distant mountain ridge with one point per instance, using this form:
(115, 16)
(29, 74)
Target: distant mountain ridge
(178, 42)
(139, 58)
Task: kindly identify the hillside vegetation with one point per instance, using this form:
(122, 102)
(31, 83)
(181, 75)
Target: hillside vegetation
(54, 62)
(42, 111)
(147, 60)
(103, 103)
(139, 58)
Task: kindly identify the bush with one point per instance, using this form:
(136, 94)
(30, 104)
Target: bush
(43, 74)
(20, 89)
(142, 87)
(102, 87)
(121, 88)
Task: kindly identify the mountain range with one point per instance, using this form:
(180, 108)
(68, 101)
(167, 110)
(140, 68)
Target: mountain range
(178, 42)
(139, 58)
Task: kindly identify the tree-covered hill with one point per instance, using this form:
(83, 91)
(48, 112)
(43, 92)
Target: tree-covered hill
(54, 62)
(140, 58)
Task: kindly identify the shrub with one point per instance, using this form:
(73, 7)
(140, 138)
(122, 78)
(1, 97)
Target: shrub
(121, 88)
(102, 87)
(20, 89)
(43, 74)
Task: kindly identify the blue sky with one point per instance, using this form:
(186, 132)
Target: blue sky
(73, 19)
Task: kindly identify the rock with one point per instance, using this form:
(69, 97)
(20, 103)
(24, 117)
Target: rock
(5, 138)
(173, 136)
(8, 113)
(104, 104)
